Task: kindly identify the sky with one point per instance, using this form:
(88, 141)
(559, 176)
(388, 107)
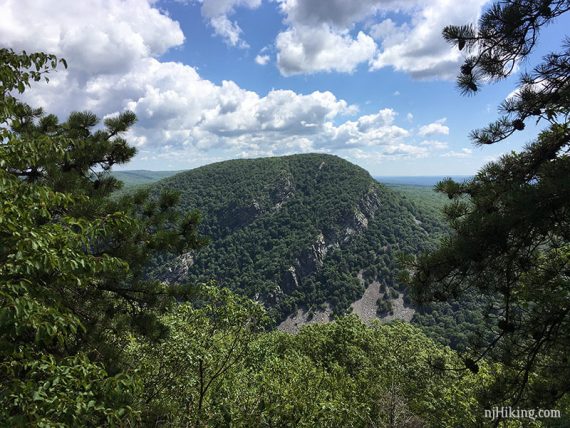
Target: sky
(371, 81)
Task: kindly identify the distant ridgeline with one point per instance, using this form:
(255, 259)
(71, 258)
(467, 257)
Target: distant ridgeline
(141, 177)
(419, 180)
(299, 231)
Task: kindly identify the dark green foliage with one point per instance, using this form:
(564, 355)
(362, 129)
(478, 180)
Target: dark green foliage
(81, 157)
(511, 221)
(458, 323)
(46, 278)
(384, 307)
(215, 370)
(71, 286)
(296, 230)
(507, 33)
(47, 377)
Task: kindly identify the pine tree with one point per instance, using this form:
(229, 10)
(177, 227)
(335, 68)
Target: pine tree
(511, 222)
(72, 284)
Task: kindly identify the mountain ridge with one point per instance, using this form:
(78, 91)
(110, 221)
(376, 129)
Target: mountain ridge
(295, 231)
(132, 177)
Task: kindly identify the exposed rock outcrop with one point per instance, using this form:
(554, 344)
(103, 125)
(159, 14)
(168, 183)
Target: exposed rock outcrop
(294, 322)
(311, 259)
(178, 269)
(290, 280)
(282, 192)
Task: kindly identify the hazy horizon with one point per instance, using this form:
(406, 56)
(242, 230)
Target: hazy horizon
(372, 82)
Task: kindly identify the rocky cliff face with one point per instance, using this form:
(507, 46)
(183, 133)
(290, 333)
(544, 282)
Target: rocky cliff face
(292, 231)
(177, 270)
(282, 192)
(311, 259)
(364, 212)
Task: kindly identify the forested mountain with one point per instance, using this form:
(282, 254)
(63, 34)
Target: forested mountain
(296, 231)
(137, 177)
(115, 310)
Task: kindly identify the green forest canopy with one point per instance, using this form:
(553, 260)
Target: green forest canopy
(87, 340)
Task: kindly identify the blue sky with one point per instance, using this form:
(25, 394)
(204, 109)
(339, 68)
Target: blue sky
(369, 80)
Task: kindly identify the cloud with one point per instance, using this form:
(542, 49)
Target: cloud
(95, 36)
(182, 116)
(175, 106)
(317, 38)
(262, 59)
(400, 151)
(416, 46)
(434, 144)
(228, 30)
(434, 128)
(463, 153)
(314, 49)
(370, 130)
(337, 13)
(217, 12)
(413, 44)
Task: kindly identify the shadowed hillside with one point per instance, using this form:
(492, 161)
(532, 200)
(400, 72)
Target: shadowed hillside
(297, 231)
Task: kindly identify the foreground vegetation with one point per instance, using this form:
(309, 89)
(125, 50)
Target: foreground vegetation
(86, 339)
(216, 371)
(511, 223)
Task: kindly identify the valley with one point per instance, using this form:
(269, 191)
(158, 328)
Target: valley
(293, 277)
(296, 231)
(312, 237)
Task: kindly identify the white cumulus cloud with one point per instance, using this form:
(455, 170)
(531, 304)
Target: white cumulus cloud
(413, 44)
(262, 59)
(182, 116)
(218, 13)
(369, 130)
(417, 46)
(437, 127)
(314, 49)
(95, 36)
